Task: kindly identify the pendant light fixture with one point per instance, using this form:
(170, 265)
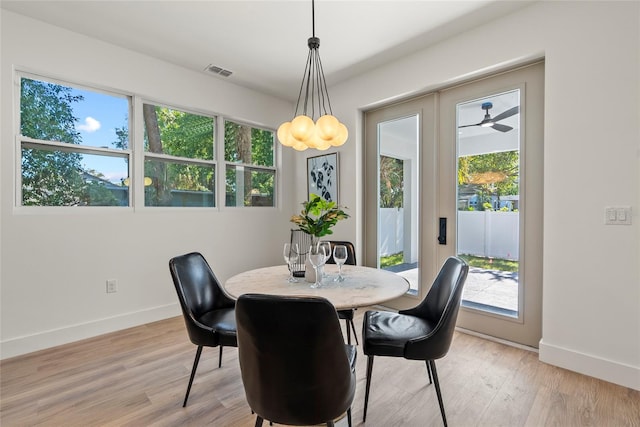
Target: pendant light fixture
(304, 131)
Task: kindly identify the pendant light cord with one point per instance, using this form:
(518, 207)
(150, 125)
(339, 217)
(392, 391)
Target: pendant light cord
(302, 133)
(313, 18)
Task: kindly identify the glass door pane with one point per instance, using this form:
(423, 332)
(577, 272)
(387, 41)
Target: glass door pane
(488, 201)
(398, 170)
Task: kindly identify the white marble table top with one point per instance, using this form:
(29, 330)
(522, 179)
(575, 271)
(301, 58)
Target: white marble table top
(362, 286)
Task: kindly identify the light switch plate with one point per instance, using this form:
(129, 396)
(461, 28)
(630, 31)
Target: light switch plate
(112, 286)
(617, 215)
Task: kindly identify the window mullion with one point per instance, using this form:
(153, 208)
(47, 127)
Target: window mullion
(253, 167)
(177, 159)
(137, 171)
(221, 164)
(71, 148)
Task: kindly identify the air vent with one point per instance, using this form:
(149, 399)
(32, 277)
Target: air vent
(217, 70)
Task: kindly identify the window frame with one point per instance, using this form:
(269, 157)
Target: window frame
(135, 152)
(144, 155)
(22, 141)
(224, 163)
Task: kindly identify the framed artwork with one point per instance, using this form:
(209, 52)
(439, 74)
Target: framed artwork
(322, 176)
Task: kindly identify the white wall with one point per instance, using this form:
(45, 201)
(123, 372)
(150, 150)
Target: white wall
(591, 303)
(54, 267)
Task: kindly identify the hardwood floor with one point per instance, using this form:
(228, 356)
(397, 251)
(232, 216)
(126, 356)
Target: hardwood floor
(138, 377)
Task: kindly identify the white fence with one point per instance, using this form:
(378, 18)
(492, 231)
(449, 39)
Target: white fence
(480, 233)
(392, 230)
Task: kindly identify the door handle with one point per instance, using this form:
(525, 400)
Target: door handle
(442, 234)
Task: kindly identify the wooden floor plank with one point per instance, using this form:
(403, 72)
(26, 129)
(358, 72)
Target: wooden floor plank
(138, 377)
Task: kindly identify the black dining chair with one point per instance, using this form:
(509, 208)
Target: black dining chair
(295, 367)
(209, 314)
(424, 332)
(346, 314)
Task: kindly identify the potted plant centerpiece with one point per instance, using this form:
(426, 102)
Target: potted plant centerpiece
(317, 218)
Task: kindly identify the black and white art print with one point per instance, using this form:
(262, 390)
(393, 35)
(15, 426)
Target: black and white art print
(322, 176)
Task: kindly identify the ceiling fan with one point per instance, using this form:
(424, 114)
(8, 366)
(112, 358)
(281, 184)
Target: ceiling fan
(493, 122)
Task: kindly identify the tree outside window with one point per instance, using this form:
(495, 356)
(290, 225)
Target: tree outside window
(66, 160)
(75, 151)
(250, 170)
(179, 169)
(488, 177)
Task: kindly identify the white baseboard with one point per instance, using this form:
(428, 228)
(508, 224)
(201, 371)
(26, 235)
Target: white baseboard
(498, 340)
(607, 370)
(27, 344)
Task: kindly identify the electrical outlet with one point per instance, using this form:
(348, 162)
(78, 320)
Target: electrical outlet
(112, 286)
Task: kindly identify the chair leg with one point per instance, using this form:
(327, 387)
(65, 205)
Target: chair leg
(432, 364)
(355, 335)
(220, 358)
(259, 420)
(193, 374)
(366, 391)
(346, 322)
(349, 416)
(270, 422)
(428, 371)
(330, 424)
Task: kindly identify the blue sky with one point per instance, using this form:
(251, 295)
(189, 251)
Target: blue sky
(98, 117)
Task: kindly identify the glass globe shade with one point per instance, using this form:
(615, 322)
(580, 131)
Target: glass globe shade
(290, 141)
(302, 128)
(324, 145)
(284, 134)
(327, 127)
(313, 141)
(342, 136)
(299, 146)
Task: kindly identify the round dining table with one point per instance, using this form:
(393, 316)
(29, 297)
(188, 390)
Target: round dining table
(362, 286)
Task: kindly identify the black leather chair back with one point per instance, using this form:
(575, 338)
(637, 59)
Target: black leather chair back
(440, 307)
(351, 252)
(199, 293)
(294, 363)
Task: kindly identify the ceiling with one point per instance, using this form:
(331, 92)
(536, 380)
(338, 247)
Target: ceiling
(264, 43)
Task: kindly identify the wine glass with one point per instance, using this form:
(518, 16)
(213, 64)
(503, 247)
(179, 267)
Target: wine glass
(290, 253)
(340, 257)
(316, 258)
(327, 255)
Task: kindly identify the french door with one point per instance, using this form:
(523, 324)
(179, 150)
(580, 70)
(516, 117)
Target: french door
(400, 192)
(471, 186)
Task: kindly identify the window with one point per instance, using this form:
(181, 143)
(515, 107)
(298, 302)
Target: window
(179, 168)
(75, 150)
(74, 146)
(249, 162)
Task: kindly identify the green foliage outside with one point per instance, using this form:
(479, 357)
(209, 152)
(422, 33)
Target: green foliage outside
(473, 261)
(180, 134)
(98, 195)
(185, 134)
(491, 263)
(52, 177)
(191, 136)
(249, 146)
(491, 174)
(391, 182)
(391, 260)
